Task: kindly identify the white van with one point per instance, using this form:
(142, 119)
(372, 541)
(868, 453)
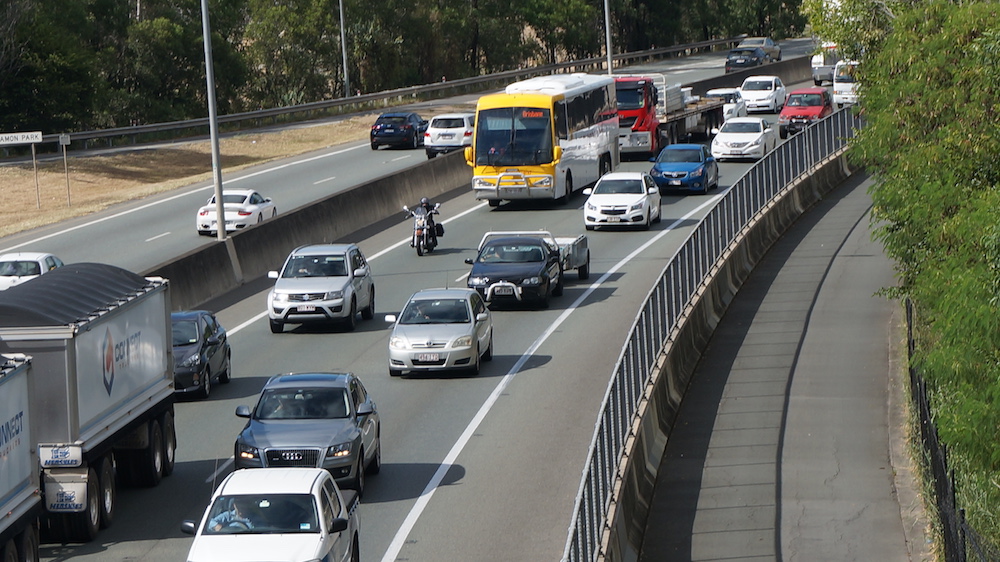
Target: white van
(844, 83)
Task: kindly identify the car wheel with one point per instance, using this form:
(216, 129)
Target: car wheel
(375, 466)
(783, 132)
(544, 302)
(493, 202)
(659, 211)
(415, 142)
(206, 384)
(588, 226)
(558, 290)
(368, 312)
(274, 212)
(276, 327)
(260, 218)
(474, 370)
(649, 219)
(374, 146)
(488, 356)
(351, 321)
(430, 154)
(395, 372)
(227, 374)
(359, 479)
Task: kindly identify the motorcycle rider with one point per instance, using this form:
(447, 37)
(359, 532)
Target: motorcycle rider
(431, 209)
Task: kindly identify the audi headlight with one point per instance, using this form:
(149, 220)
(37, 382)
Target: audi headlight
(334, 295)
(247, 452)
(339, 451)
(397, 342)
(192, 361)
(532, 281)
(464, 341)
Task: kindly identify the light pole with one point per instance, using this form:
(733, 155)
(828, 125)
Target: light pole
(343, 51)
(213, 125)
(607, 32)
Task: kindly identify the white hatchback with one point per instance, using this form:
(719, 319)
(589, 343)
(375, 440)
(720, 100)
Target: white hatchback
(448, 132)
(622, 199)
(19, 267)
(763, 93)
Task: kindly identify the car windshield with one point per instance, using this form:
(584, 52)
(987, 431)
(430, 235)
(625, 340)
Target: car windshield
(19, 268)
(606, 187)
(315, 266)
(436, 311)
(262, 514)
(511, 253)
(513, 136)
(740, 127)
(804, 99)
(302, 404)
(680, 155)
(185, 332)
(757, 85)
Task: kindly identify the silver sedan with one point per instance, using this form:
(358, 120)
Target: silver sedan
(441, 329)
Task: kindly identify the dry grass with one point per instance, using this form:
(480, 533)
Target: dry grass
(99, 182)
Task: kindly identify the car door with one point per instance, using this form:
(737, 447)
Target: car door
(484, 327)
(780, 93)
(367, 424)
(553, 264)
(711, 166)
(362, 283)
(217, 352)
(334, 546)
(654, 199)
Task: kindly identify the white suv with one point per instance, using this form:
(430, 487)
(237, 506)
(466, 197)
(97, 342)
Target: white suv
(321, 283)
(448, 132)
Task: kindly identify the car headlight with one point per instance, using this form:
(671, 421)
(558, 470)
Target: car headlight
(246, 452)
(591, 207)
(532, 281)
(783, 119)
(655, 173)
(697, 173)
(477, 281)
(334, 295)
(757, 141)
(464, 341)
(279, 297)
(637, 206)
(397, 342)
(192, 361)
(339, 451)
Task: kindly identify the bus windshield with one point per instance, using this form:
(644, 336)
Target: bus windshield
(513, 136)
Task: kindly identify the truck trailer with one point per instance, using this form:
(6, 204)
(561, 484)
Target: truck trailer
(20, 494)
(100, 389)
(653, 114)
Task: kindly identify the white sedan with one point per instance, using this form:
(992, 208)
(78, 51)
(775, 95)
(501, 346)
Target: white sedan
(242, 208)
(744, 137)
(622, 199)
(19, 267)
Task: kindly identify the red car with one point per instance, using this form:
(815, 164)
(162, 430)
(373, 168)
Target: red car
(802, 108)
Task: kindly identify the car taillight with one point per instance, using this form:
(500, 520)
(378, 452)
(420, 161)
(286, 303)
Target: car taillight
(202, 213)
(244, 213)
(468, 133)
(427, 135)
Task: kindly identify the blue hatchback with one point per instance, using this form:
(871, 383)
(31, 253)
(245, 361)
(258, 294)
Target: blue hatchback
(685, 167)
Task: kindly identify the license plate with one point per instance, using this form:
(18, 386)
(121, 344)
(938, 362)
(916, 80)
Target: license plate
(428, 357)
(614, 219)
(447, 135)
(503, 291)
(674, 182)
(388, 130)
(307, 308)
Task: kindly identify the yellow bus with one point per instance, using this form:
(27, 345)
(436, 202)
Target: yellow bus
(544, 137)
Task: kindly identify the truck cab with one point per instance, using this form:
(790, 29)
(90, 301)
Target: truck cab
(637, 119)
(279, 514)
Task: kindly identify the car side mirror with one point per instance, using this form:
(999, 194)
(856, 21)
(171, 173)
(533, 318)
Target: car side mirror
(213, 341)
(243, 411)
(588, 191)
(653, 191)
(272, 274)
(469, 156)
(482, 317)
(361, 272)
(470, 261)
(339, 525)
(390, 318)
(366, 409)
(188, 527)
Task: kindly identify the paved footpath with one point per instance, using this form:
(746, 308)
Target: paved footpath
(788, 445)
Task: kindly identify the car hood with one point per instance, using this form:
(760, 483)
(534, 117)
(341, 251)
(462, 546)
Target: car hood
(311, 284)
(615, 199)
(507, 271)
(756, 95)
(419, 333)
(182, 352)
(737, 137)
(677, 166)
(298, 433)
(802, 111)
(8, 281)
(255, 548)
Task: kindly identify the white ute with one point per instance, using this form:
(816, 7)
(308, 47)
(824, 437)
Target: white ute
(279, 515)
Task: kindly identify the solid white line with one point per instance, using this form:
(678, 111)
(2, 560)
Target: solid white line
(411, 519)
(331, 178)
(179, 195)
(224, 466)
(399, 158)
(158, 236)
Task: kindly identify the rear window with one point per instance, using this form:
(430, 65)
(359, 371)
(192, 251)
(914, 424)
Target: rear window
(448, 123)
(392, 120)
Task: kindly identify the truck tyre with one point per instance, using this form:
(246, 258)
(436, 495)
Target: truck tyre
(276, 327)
(108, 487)
(150, 459)
(9, 552)
(493, 202)
(27, 547)
(169, 442)
(87, 523)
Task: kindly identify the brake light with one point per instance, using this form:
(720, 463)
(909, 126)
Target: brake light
(202, 213)
(244, 213)
(468, 134)
(427, 135)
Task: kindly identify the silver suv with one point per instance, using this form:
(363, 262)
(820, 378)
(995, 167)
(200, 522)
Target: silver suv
(321, 283)
(448, 132)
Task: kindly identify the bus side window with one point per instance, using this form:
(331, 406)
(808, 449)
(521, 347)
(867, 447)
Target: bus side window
(559, 112)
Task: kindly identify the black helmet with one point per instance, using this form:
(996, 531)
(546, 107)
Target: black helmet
(425, 201)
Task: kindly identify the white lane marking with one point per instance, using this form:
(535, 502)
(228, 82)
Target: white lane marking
(224, 466)
(171, 198)
(331, 178)
(398, 158)
(411, 519)
(158, 236)
(460, 279)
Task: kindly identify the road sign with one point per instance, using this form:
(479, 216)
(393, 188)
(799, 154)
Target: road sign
(20, 138)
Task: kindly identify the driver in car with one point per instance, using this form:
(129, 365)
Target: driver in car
(234, 517)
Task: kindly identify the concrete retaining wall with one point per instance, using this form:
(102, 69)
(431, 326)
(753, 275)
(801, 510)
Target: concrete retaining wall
(628, 516)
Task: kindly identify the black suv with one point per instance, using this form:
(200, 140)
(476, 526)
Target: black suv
(398, 129)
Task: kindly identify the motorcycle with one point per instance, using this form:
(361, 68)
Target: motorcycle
(425, 231)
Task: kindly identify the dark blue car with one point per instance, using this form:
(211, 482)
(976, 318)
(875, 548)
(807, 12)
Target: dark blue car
(685, 168)
(398, 129)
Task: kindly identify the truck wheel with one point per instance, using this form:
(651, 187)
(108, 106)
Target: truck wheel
(276, 327)
(493, 202)
(150, 461)
(87, 523)
(169, 442)
(108, 490)
(28, 545)
(9, 552)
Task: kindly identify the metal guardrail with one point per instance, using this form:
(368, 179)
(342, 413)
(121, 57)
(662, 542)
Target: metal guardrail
(386, 98)
(665, 307)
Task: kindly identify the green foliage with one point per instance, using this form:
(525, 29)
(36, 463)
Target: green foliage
(928, 95)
